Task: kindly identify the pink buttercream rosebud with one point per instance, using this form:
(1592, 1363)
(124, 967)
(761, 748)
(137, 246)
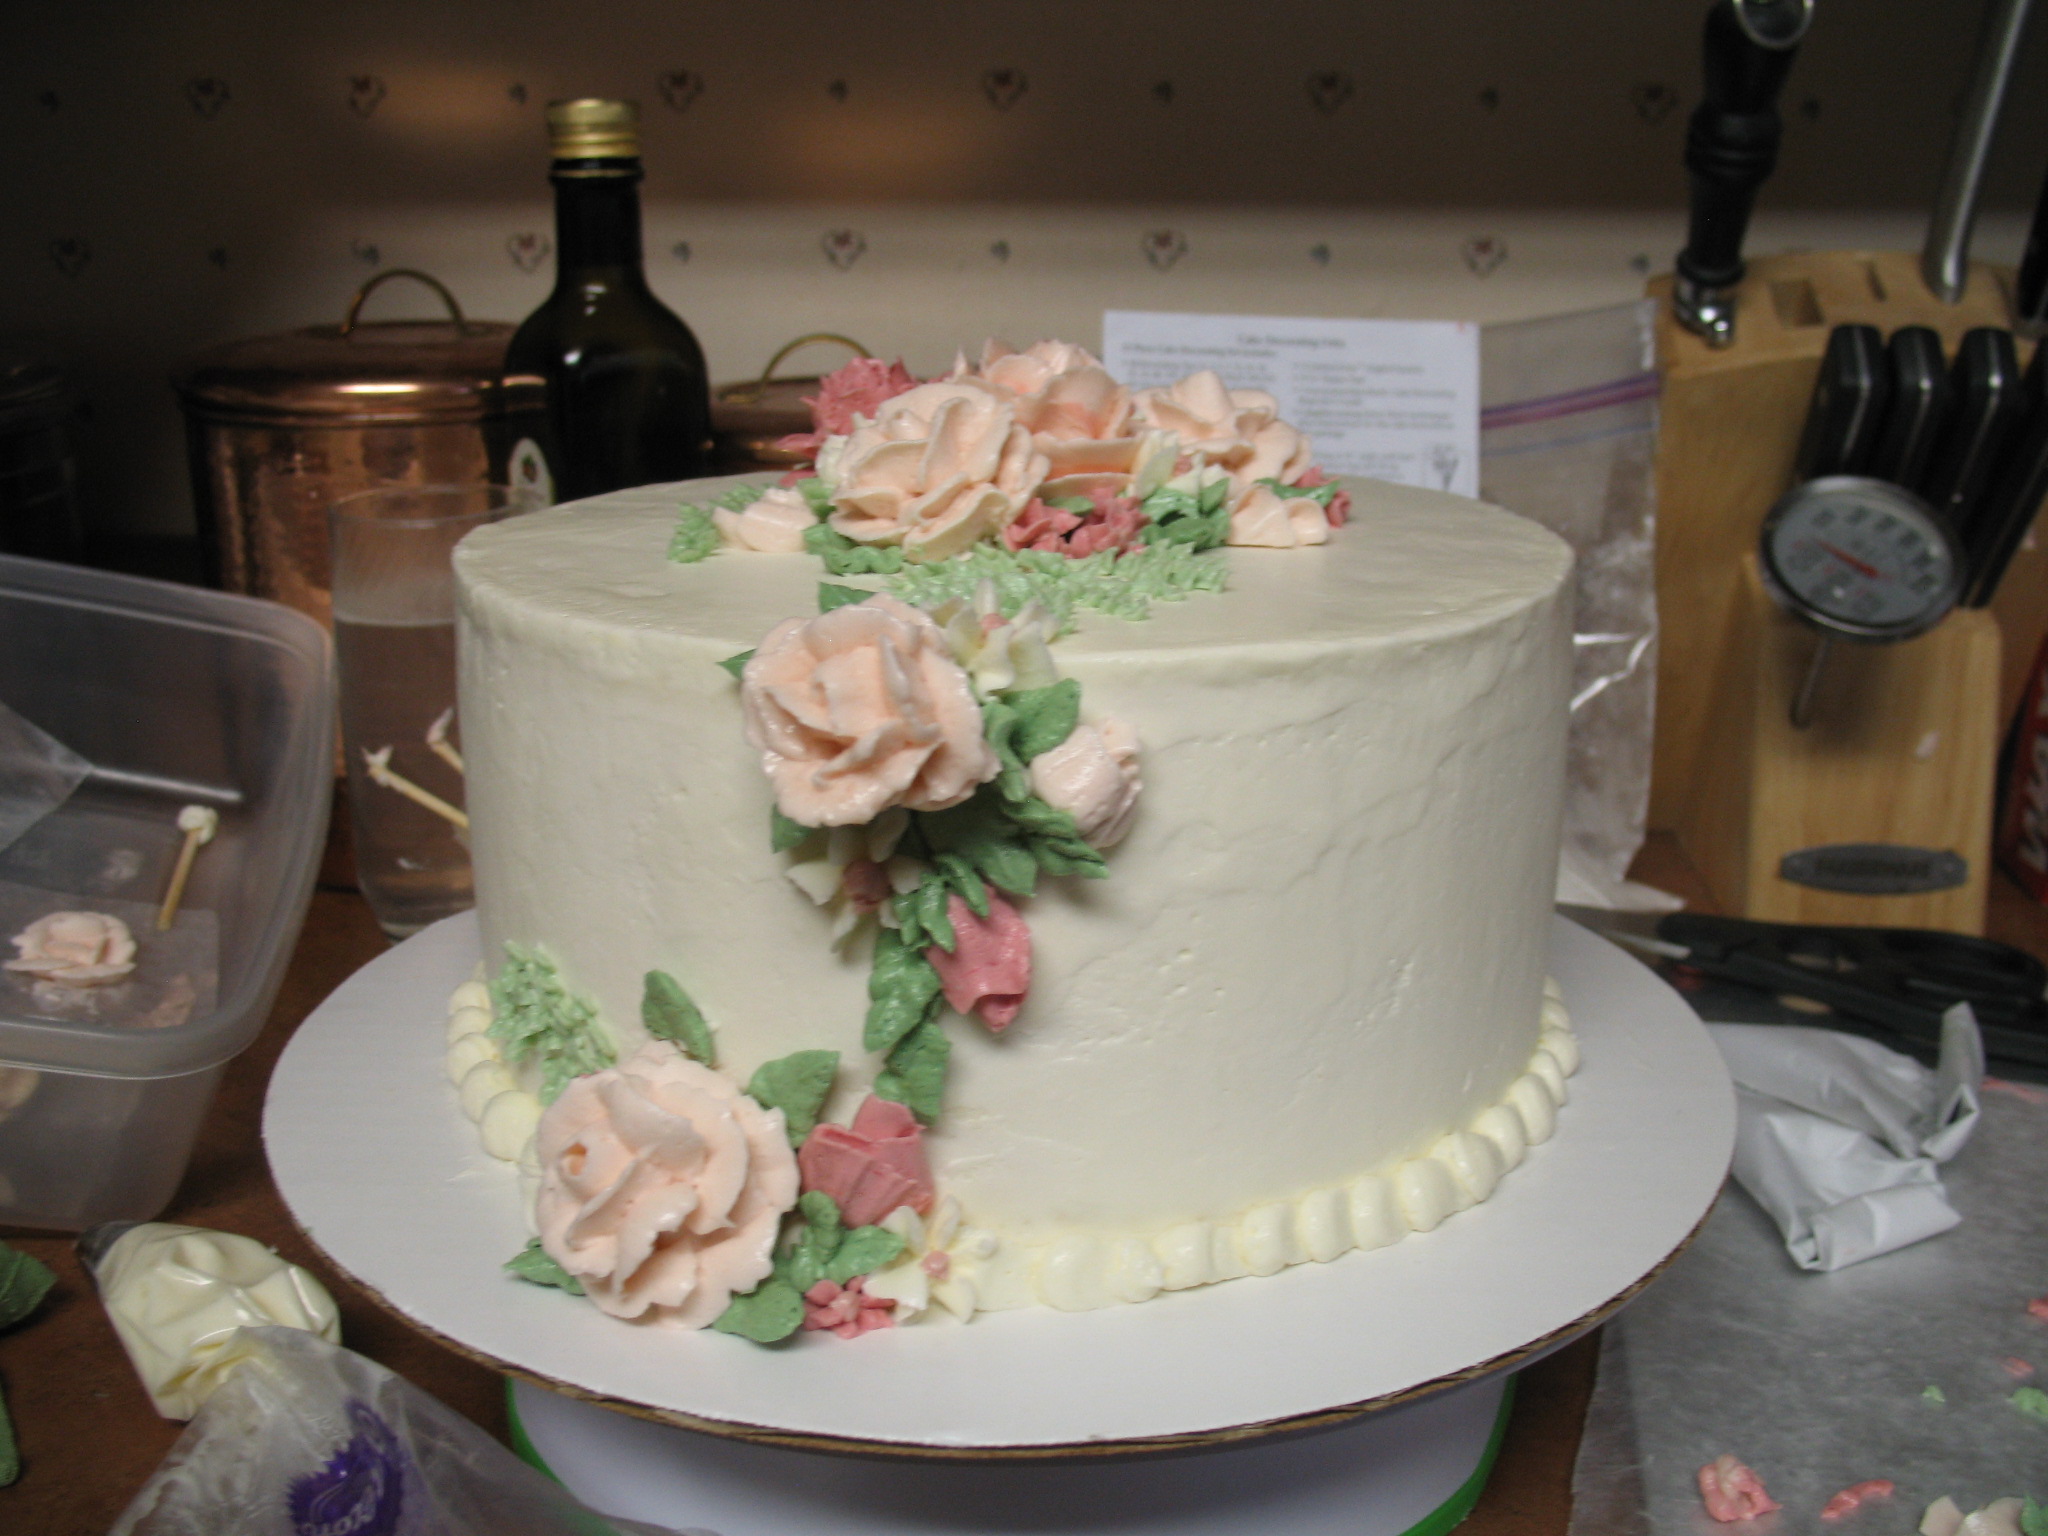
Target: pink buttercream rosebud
(861, 709)
(1854, 1497)
(989, 970)
(858, 389)
(870, 1167)
(78, 949)
(846, 1310)
(1732, 1492)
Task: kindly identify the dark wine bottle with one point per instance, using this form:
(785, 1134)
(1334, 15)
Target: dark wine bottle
(628, 399)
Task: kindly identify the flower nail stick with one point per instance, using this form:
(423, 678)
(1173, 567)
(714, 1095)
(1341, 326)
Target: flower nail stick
(198, 823)
(378, 765)
(439, 744)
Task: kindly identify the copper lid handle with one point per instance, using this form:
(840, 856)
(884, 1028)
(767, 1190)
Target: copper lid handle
(747, 394)
(355, 305)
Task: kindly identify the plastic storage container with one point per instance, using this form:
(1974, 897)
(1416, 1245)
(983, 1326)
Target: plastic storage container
(177, 696)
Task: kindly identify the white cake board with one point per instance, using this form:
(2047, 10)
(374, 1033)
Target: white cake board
(1415, 1470)
(379, 1166)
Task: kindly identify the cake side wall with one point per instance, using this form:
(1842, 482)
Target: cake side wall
(1319, 949)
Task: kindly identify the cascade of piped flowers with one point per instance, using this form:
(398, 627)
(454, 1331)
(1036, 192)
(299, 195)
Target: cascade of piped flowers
(1040, 449)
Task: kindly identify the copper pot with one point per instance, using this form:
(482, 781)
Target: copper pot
(281, 427)
(750, 417)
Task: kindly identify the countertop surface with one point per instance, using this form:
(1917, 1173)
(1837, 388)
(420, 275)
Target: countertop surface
(90, 1439)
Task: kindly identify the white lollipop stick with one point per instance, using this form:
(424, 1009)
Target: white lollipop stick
(438, 742)
(378, 764)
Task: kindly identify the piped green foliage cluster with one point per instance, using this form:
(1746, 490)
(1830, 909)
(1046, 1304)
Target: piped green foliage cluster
(1123, 586)
(535, 1018)
(820, 1247)
(533, 1265)
(696, 534)
(1199, 519)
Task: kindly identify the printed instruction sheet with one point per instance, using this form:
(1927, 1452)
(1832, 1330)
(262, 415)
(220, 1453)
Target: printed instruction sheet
(1393, 399)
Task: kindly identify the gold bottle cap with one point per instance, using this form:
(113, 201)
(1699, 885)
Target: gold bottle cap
(593, 129)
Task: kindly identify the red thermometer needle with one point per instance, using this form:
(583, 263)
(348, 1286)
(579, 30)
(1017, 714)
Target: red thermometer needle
(1858, 566)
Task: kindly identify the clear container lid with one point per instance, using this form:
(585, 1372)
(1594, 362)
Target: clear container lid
(176, 696)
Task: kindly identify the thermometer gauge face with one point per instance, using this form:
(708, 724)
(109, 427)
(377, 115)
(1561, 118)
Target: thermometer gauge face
(1862, 558)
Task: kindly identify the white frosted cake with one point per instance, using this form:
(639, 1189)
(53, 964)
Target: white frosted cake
(1303, 1011)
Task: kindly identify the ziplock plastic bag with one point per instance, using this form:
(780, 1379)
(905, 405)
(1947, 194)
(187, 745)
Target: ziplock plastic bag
(37, 774)
(1568, 438)
(306, 1439)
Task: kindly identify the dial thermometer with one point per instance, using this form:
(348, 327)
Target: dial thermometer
(1858, 559)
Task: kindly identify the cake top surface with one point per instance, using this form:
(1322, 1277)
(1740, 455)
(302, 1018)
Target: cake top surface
(1412, 563)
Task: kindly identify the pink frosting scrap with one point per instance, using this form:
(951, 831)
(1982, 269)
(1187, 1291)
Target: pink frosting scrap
(858, 389)
(989, 970)
(1339, 509)
(870, 1167)
(2016, 1368)
(1855, 1496)
(2038, 1307)
(1732, 1492)
(846, 1310)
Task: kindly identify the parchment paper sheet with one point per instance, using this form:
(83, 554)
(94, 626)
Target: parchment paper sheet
(1817, 1380)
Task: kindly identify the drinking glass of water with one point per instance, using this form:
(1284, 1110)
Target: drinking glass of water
(394, 637)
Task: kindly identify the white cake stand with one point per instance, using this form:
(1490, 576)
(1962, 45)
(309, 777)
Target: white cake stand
(379, 1166)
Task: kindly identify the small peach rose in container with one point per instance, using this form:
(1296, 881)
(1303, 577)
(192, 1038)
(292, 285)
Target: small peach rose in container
(662, 1187)
(862, 709)
(75, 949)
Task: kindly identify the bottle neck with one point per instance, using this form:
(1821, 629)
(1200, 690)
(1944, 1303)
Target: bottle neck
(597, 219)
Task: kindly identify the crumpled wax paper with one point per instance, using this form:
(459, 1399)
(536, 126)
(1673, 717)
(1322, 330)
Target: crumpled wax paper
(1839, 1138)
(37, 774)
(1820, 1380)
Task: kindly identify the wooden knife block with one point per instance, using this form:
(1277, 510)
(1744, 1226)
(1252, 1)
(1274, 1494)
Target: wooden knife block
(1902, 748)
(1731, 778)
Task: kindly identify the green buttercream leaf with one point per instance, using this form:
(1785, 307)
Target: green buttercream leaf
(696, 536)
(533, 1265)
(915, 1076)
(931, 912)
(796, 1084)
(24, 1281)
(983, 832)
(903, 991)
(1322, 495)
(668, 1013)
(822, 1221)
(1045, 716)
(1078, 505)
(908, 925)
(737, 665)
(2033, 1518)
(843, 557)
(784, 834)
(2033, 1402)
(534, 1017)
(862, 1251)
(816, 496)
(961, 879)
(830, 596)
(1933, 1394)
(768, 1314)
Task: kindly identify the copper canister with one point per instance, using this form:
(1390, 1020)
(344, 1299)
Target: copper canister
(749, 418)
(281, 427)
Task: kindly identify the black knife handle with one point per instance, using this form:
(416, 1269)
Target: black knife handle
(2030, 302)
(1919, 408)
(1850, 393)
(1984, 389)
(2019, 482)
(1731, 142)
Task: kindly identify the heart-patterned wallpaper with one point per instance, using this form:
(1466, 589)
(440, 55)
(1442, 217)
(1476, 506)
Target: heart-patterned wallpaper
(180, 176)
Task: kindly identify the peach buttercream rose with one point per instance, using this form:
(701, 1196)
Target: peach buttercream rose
(861, 709)
(75, 949)
(1093, 777)
(939, 468)
(1265, 520)
(1239, 430)
(662, 1187)
(1078, 416)
(774, 525)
